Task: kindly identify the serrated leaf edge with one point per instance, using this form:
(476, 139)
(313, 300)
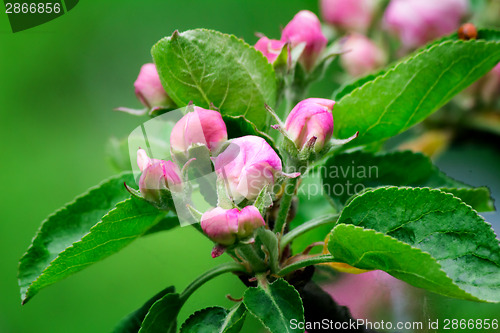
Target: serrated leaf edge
(415, 56)
(66, 206)
(266, 291)
(26, 296)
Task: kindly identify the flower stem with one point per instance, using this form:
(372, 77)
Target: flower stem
(286, 203)
(248, 252)
(207, 276)
(320, 259)
(305, 227)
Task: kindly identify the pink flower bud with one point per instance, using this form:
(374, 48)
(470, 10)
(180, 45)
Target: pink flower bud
(248, 164)
(149, 90)
(157, 175)
(201, 126)
(270, 48)
(305, 27)
(419, 21)
(348, 14)
(226, 226)
(310, 118)
(361, 56)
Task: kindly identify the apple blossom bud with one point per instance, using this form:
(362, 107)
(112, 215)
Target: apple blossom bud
(149, 90)
(361, 56)
(305, 27)
(309, 119)
(355, 15)
(270, 48)
(417, 22)
(204, 127)
(248, 164)
(157, 176)
(226, 226)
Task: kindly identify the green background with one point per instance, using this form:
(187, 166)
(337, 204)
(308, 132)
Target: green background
(58, 85)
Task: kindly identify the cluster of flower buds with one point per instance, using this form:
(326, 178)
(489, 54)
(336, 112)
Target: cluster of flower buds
(303, 30)
(246, 166)
(198, 128)
(310, 124)
(149, 90)
(417, 22)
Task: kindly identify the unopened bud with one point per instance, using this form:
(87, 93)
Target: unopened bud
(202, 127)
(305, 27)
(157, 176)
(351, 15)
(361, 56)
(149, 90)
(226, 226)
(270, 48)
(417, 22)
(311, 120)
(248, 165)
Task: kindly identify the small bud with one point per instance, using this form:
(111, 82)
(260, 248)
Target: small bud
(351, 15)
(248, 164)
(361, 56)
(311, 118)
(149, 90)
(226, 226)
(305, 27)
(270, 48)
(417, 22)
(157, 176)
(204, 127)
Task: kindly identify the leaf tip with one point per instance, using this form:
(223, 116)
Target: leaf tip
(175, 34)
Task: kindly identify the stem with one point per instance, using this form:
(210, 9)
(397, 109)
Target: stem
(207, 276)
(321, 259)
(248, 253)
(305, 227)
(286, 203)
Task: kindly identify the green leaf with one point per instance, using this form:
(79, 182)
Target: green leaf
(215, 320)
(132, 322)
(129, 220)
(347, 174)
(206, 66)
(68, 225)
(162, 316)
(169, 222)
(408, 92)
(425, 237)
(275, 305)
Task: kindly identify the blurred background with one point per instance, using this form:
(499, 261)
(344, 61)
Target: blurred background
(58, 85)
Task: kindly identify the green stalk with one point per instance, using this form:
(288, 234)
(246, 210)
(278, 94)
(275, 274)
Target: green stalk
(286, 203)
(209, 275)
(321, 259)
(248, 252)
(305, 227)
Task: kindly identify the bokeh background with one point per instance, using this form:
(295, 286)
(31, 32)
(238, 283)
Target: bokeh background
(58, 85)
